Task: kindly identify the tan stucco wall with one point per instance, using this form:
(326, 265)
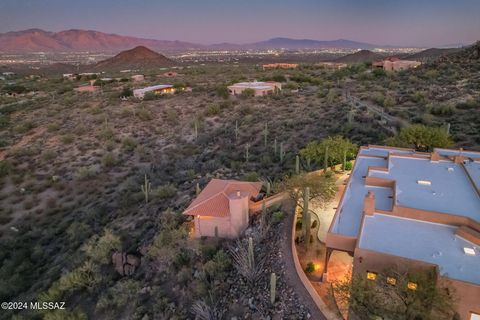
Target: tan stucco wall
(468, 294)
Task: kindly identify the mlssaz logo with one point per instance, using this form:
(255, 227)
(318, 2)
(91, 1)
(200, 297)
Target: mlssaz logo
(47, 305)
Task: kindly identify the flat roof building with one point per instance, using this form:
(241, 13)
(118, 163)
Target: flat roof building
(395, 64)
(402, 207)
(259, 88)
(158, 89)
(280, 66)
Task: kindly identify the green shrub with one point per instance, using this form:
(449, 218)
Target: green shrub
(348, 165)
(165, 192)
(129, 144)
(310, 267)
(212, 110)
(144, 115)
(5, 168)
(109, 160)
(67, 139)
(277, 217)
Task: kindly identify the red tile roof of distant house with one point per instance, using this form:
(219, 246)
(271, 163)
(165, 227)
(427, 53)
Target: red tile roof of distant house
(214, 201)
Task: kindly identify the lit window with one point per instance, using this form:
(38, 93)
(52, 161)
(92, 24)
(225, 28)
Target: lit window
(412, 286)
(371, 275)
(391, 281)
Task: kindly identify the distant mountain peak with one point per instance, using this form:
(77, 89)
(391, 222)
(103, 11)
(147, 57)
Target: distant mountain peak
(139, 57)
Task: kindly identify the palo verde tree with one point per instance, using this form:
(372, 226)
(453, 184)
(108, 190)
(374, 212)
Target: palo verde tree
(396, 294)
(421, 138)
(304, 188)
(329, 151)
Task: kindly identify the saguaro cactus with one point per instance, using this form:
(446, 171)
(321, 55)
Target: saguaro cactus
(325, 160)
(282, 152)
(269, 186)
(236, 130)
(146, 188)
(344, 160)
(297, 164)
(273, 287)
(275, 146)
(306, 216)
(195, 129)
(265, 135)
(247, 153)
(251, 258)
(197, 189)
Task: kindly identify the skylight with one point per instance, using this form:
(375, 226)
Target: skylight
(469, 251)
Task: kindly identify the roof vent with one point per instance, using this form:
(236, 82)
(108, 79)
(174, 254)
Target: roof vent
(469, 251)
(424, 182)
(238, 193)
(450, 169)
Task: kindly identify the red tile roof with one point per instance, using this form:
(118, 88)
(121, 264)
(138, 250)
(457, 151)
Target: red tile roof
(213, 200)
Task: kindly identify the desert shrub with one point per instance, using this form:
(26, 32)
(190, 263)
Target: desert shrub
(310, 267)
(165, 192)
(126, 92)
(53, 127)
(212, 110)
(144, 115)
(348, 165)
(247, 93)
(469, 104)
(109, 160)
(149, 96)
(222, 91)
(99, 248)
(129, 144)
(124, 292)
(67, 139)
(277, 217)
(23, 127)
(5, 168)
(251, 176)
(106, 133)
(86, 173)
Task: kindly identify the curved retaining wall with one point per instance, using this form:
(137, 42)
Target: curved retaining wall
(306, 283)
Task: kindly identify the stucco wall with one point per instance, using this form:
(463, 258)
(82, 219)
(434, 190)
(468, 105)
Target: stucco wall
(468, 294)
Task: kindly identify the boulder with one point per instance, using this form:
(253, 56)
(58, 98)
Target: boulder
(125, 264)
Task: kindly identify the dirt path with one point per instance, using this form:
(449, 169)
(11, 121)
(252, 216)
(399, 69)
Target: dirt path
(291, 274)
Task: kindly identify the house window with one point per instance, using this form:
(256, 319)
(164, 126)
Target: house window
(391, 281)
(412, 285)
(371, 275)
(475, 316)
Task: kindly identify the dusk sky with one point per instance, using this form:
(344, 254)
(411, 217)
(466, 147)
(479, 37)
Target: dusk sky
(393, 22)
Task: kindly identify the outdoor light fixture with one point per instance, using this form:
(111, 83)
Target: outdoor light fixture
(412, 285)
(391, 281)
(371, 275)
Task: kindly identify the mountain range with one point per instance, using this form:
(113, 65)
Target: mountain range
(37, 40)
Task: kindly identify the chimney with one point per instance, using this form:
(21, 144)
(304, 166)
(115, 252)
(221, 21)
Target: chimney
(435, 156)
(238, 193)
(458, 159)
(369, 204)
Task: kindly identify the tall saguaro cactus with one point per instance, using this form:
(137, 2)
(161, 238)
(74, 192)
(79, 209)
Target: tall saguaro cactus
(325, 160)
(297, 164)
(344, 164)
(282, 152)
(273, 287)
(236, 130)
(306, 216)
(146, 188)
(247, 152)
(251, 258)
(265, 135)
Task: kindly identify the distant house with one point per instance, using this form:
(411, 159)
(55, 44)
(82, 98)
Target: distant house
(395, 64)
(87, 88)
(158, 89)
(222, 208)
(280, 66)
(138, 77)
(70, 76)
(8, 73)
(332, 65)
(259, 88)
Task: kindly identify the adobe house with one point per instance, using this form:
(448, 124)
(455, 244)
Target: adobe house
(396, 64)
(259, 88)
(280, 66)
(222, 208)
(158, 89)
(414, 210)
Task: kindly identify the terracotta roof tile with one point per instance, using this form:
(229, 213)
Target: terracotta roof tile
(213, 200)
